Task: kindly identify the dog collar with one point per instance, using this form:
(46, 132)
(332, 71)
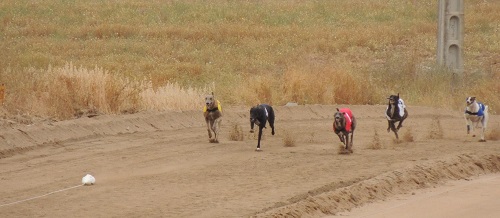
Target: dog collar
(213, 109)
(471, 113)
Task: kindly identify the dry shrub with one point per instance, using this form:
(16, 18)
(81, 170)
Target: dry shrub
(408, 135)
(494, 134)
(308, 85)
(254, 90)
(311, 138)
(172, 96)
(288, 139)
(2, 93)
(68, 92)
(255, 135)
(375, 144)
(436, 130)
(324, 85)
(236, 133)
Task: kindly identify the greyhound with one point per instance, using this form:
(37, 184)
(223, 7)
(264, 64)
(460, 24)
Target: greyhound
(213, 117)
(343, 125)
(475, 113)
(395, 112)
(259, 115)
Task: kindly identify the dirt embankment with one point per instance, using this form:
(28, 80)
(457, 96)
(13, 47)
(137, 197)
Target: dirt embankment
(389, 184)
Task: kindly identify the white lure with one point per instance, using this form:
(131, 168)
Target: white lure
(88, 180)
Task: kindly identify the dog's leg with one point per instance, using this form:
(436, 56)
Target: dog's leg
(216, 129)
(208, 129)
(467, 123)
(388, 125)
(393, 128)
(482, 135)
(351, 143)
(340, 135)
(251, 126)
(271, 123)
(403, 119)
(213, 129)
(347, 142)
(400, 124)
(484, 123)
(473, 128)
(485, 120)
(271, 120)
(260, 136)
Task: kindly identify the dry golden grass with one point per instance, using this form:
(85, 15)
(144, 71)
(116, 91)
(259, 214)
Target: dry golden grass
(408, 135)
(69, 92)
(288, 139)
(436, 130)
(494, 134)
(325, 52)
(236, 133)
(375, 142)
(2, 93)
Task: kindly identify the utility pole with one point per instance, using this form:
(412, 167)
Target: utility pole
(450, 35)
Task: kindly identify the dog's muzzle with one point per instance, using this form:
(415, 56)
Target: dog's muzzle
(255, 121)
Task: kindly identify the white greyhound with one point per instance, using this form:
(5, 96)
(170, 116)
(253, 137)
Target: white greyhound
(476, 113)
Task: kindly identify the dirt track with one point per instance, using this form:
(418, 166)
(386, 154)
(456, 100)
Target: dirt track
(161, 164)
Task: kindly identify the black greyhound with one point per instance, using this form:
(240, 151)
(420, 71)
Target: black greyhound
(393, 114)
(259, 115)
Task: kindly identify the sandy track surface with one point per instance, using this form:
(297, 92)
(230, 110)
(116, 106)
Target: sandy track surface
(474, 197)
(161, 164)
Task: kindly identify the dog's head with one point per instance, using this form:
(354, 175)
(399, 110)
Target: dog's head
(210, 101)
(255, 113)
(339, 116)
(470, 100)
(393, 99)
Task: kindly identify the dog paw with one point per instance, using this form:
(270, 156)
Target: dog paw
(272, 132)
(482, 140)
(251, 131)
(258, 149)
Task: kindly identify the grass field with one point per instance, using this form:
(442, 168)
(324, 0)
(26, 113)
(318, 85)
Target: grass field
(60, 59)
